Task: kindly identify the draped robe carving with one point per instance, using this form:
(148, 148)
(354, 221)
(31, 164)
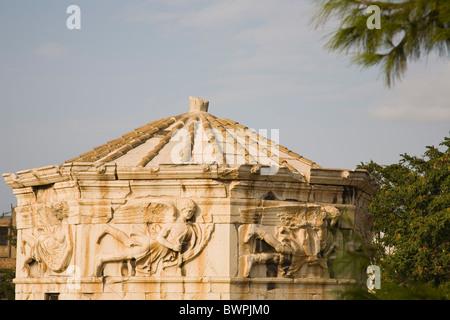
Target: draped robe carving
(160, 238)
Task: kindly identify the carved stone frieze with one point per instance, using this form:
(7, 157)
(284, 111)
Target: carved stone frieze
(189, 207)
(163, 234)
(50, 247)
(300, 234)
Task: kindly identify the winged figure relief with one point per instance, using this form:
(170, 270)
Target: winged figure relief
(301, 235)
(50, 246)
(163, 235)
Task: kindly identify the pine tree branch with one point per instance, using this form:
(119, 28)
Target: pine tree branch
(381, 4)
(424, 26)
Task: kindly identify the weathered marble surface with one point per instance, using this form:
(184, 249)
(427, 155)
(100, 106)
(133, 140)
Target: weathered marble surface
(114, 224)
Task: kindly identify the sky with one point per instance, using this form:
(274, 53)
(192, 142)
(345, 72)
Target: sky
(258, 62)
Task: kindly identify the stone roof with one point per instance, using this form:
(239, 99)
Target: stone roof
(193, 145)
(195, 137)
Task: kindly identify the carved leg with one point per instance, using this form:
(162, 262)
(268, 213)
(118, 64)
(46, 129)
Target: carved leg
(116, 234)
(314, 246)
(126, 255)
(27, 240)
(259, 258)
(273, 242)
(26, 266)
(249, 259)
(257, 232)
(251, 232)
(296, 263)
(30, 241)
(114, 257)
(309, 244)
(131, 268)
(99, 266)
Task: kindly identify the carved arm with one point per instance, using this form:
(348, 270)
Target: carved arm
(162, 239)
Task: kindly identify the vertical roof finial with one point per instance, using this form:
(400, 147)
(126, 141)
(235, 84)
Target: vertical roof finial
(197, 104)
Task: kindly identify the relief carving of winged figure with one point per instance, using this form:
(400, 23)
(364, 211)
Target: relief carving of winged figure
(152, 244)
(50, 246)
(303, 236)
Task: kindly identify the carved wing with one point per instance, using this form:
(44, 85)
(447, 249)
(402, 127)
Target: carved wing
(55, 253)
(288, 215)
(202, 235)
(252, 215)
(145, 210)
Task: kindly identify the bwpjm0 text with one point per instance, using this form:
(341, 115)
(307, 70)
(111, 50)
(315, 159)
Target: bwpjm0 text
(227, 309)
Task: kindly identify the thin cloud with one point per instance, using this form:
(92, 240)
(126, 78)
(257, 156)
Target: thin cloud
(424, 99)
(411, 113)
(52, 50)
(273, 34)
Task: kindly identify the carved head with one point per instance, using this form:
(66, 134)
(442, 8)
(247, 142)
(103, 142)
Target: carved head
(187, 208)
(332, 213)
(60, 210)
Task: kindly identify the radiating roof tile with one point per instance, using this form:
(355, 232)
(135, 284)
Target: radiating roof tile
(194, 137)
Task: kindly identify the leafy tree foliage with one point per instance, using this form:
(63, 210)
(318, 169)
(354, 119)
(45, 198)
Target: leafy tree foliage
(409, 30)
(412, 218)
(6, 284)
(393, 291)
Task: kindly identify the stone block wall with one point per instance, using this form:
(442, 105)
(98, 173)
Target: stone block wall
(186, 232)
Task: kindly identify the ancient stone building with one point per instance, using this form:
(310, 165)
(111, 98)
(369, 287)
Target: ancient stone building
(188, 207)
(7, 247)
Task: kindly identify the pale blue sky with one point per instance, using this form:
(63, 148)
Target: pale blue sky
(63, 92)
